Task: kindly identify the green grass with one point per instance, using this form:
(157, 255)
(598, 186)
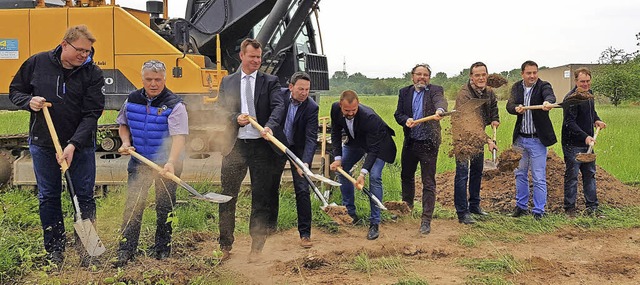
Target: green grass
(502, 264)
(392, 265)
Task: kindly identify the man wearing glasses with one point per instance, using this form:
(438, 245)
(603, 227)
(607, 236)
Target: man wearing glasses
(153, 122)
(67, 78)
(421, 140)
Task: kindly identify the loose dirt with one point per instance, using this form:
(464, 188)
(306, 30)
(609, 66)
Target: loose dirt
(468, 136)
(496, 80)
(398, 207)
(339, 214)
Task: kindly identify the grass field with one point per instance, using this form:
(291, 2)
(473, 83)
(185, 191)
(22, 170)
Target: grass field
(21, 249)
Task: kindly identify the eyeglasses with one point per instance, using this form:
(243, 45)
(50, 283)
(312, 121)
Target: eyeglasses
(422, 74)
(79, 50)
(154, 64)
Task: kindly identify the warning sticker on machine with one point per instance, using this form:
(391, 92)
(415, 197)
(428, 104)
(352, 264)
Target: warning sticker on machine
(9, 49)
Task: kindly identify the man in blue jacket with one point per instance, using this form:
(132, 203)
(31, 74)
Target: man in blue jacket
(153, 122)
(68, 78)
(301, 130)
(577, 134)
(533, 133)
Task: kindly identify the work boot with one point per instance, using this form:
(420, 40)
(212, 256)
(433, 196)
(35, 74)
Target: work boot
(305, 242)
(373, 232)
(124, 256)
(56, 259)
(466, 219)
(519, 212)
(478, 211)
(425, 227)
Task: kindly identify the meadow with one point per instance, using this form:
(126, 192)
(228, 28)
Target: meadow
(21, 250)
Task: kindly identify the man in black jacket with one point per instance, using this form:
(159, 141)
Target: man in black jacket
(68, 78)
(422, 140)
(250, 92)
(366, 134)
(533, 133)
(301, 130)
(577, 134)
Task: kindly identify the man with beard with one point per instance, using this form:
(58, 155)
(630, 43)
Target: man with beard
(366, 134)
(421, 140)
(470, 169)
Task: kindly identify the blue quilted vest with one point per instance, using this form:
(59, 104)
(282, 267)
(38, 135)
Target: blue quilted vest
(148, 123)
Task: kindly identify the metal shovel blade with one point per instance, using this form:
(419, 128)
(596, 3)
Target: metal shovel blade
(325, 180)
(489, 165)
(374, 199)
(89, 237)
(209, 197)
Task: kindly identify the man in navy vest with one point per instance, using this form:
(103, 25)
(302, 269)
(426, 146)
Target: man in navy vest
(301, 130)
(154, 122)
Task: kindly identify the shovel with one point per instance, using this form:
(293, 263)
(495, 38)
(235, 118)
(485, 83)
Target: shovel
(292, 156)
(568, 101)
(209, 197)
(324, 165)
(364, 189)
(433, 117)
(589, 156)
(492, 164)
(84, 228)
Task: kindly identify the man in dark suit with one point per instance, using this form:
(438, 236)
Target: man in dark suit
(533, 133)
(249, 92)
(301, 131)
(421, 140)
(366, 133)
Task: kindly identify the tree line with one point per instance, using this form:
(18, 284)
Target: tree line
(617, 78)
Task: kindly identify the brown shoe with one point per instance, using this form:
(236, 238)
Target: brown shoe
(305, 242)
(226, 255)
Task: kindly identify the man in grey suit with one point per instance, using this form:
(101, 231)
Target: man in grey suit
(249, 92)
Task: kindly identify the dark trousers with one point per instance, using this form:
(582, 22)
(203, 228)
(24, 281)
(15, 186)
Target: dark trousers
(49, 180)
(468, 171)
(425, 153)
(303, 199)
(265, 169)
(571, 178)
(141, 178)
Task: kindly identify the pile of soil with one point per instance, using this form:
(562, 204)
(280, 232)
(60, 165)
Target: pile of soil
(498, 190)
(399, 207)
(496, 80)
(339, 214)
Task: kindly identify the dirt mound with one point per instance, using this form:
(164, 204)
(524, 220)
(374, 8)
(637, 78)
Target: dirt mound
(498, 190)
(399, 207)
(496, 80)
(339, 214)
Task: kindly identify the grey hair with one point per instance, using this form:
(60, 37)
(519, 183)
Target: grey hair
(413, 70)
(155, 66)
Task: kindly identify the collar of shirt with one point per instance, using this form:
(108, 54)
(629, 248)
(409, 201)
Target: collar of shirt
(294, 102)
(478, 90)
(525, 86)
(253, 74)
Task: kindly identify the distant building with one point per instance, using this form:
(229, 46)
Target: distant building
(561, 77)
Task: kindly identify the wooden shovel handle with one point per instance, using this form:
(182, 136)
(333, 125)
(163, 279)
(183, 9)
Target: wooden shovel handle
(272, 139)
(154, 166)
(353, 180)
(54, 135)
(425, 119)
(539, 107)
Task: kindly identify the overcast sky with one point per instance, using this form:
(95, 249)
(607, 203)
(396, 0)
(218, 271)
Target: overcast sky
(387, 38)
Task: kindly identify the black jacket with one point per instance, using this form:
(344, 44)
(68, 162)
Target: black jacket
(371, 134)
(542, 91)
(305, 127)
(77, 100)
(432, 100)
(578, 121)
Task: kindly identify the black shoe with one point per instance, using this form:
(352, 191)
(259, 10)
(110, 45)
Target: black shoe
(478, 211)
(163, 254)
(425, 227)
(537, 216)
(466, 219)
(595, 212)
(124, 256)
(373, 232)
(570, 212)
(55, 258)
(355, 219)
(518, 212)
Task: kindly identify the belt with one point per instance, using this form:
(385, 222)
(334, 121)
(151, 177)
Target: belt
(250, 140)
(534, 135)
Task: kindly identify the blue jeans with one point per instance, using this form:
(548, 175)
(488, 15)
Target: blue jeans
(49, 181)
(351, 155)
(534, 157)
(571, 178)
(468, 171)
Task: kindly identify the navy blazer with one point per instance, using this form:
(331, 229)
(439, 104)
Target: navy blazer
(268, 103)
(432, 100)
(371, 134)
(542, 91)
(305, 127)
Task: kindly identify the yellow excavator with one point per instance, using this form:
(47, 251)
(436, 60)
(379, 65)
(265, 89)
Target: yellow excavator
(198, 50)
